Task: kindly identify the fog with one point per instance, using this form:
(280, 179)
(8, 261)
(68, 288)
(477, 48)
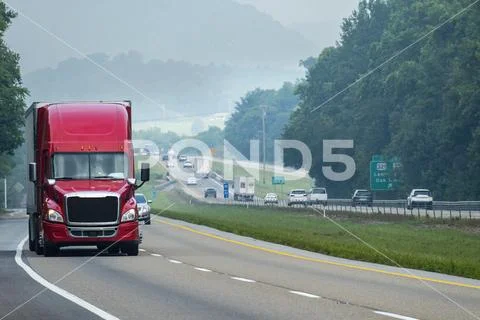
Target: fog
(227, 47)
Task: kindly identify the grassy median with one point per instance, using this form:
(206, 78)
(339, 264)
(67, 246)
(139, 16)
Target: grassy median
(446, 247)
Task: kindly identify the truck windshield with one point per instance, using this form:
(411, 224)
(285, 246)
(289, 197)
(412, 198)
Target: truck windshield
(90, 166)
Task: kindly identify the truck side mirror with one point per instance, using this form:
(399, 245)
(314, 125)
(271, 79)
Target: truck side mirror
(145, 172)
(32, 171)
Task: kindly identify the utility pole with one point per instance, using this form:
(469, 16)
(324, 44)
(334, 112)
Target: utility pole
(264, 114)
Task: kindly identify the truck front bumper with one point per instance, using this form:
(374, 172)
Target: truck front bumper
(62, 235)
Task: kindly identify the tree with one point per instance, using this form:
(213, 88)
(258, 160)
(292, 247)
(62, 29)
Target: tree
(12, 94)
(422, 106)
(245, 123)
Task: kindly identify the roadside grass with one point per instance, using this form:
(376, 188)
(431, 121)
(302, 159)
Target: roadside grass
(262, 189)
(446, 247)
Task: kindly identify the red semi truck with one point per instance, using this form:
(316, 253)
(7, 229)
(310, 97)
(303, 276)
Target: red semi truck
(81, 173)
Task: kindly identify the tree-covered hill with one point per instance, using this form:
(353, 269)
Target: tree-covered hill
(423, 106)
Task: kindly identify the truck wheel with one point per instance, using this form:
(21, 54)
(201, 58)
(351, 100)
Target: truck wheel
(148, 221)
(31, 243)
(114, 249)
(50, 250)
(130, 249)
(38, 248)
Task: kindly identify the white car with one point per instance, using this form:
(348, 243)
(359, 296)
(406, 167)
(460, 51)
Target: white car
(187, 164)
(191, 181)
(297, 196)
(317, 196)
(420, 198)
(271, 198)
(143, 208)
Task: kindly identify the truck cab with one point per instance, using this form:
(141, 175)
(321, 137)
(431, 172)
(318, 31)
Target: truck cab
(81, 189)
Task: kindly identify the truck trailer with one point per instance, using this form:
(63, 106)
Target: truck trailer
(81, 188)
(244, 188)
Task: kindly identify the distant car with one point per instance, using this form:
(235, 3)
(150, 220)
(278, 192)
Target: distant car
(317, 196)
(362, 197)
(210, 192)
(191, 181)
(143, 208)
(182, 158)
(297, 196)
(165, 157)
(271, 198)
(187, 164)
(420, 198)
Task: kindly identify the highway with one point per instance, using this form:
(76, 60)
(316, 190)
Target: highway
(186, 271)
(441, 209)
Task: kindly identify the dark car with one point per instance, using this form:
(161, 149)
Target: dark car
(362, 197)
(165, 157)
(210, 192)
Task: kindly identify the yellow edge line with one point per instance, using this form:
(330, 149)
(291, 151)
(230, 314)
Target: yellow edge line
(345, 265)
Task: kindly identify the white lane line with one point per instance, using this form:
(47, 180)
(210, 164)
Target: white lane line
(304, 294)
(395, 316)
(156, 255)
(142, 250)
(243, 279)
(65, 294)
(202, 269)
(175, 261)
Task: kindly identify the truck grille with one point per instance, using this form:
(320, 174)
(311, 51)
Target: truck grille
(101, 210)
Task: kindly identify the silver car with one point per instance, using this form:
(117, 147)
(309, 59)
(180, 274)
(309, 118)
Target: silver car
(143, 208)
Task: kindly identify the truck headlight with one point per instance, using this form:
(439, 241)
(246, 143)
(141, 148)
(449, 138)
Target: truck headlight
(128, 216)
(54, 216)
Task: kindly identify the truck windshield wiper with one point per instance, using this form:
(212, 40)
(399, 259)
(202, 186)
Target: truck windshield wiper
(64, 178)
(103, 177)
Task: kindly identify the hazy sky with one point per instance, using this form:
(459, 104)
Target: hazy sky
(317, 20)
(291, 12)
(174, 29)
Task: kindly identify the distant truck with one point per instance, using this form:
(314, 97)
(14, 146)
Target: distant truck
(202, 167)
(81, 171)
(244, 188)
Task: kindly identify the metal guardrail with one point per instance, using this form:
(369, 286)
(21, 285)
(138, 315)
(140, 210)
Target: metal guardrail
(439, 210)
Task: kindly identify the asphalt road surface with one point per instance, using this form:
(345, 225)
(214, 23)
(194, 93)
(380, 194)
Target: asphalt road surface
(186, 271)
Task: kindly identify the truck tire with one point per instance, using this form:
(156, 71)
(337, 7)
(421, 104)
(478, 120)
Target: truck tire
(38, 248)
(31, 243)
(131, 249)
(50, 249)
(114, 249)
(148, 221)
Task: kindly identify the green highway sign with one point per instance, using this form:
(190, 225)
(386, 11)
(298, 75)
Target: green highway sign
(384, 174)
(278, 180)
